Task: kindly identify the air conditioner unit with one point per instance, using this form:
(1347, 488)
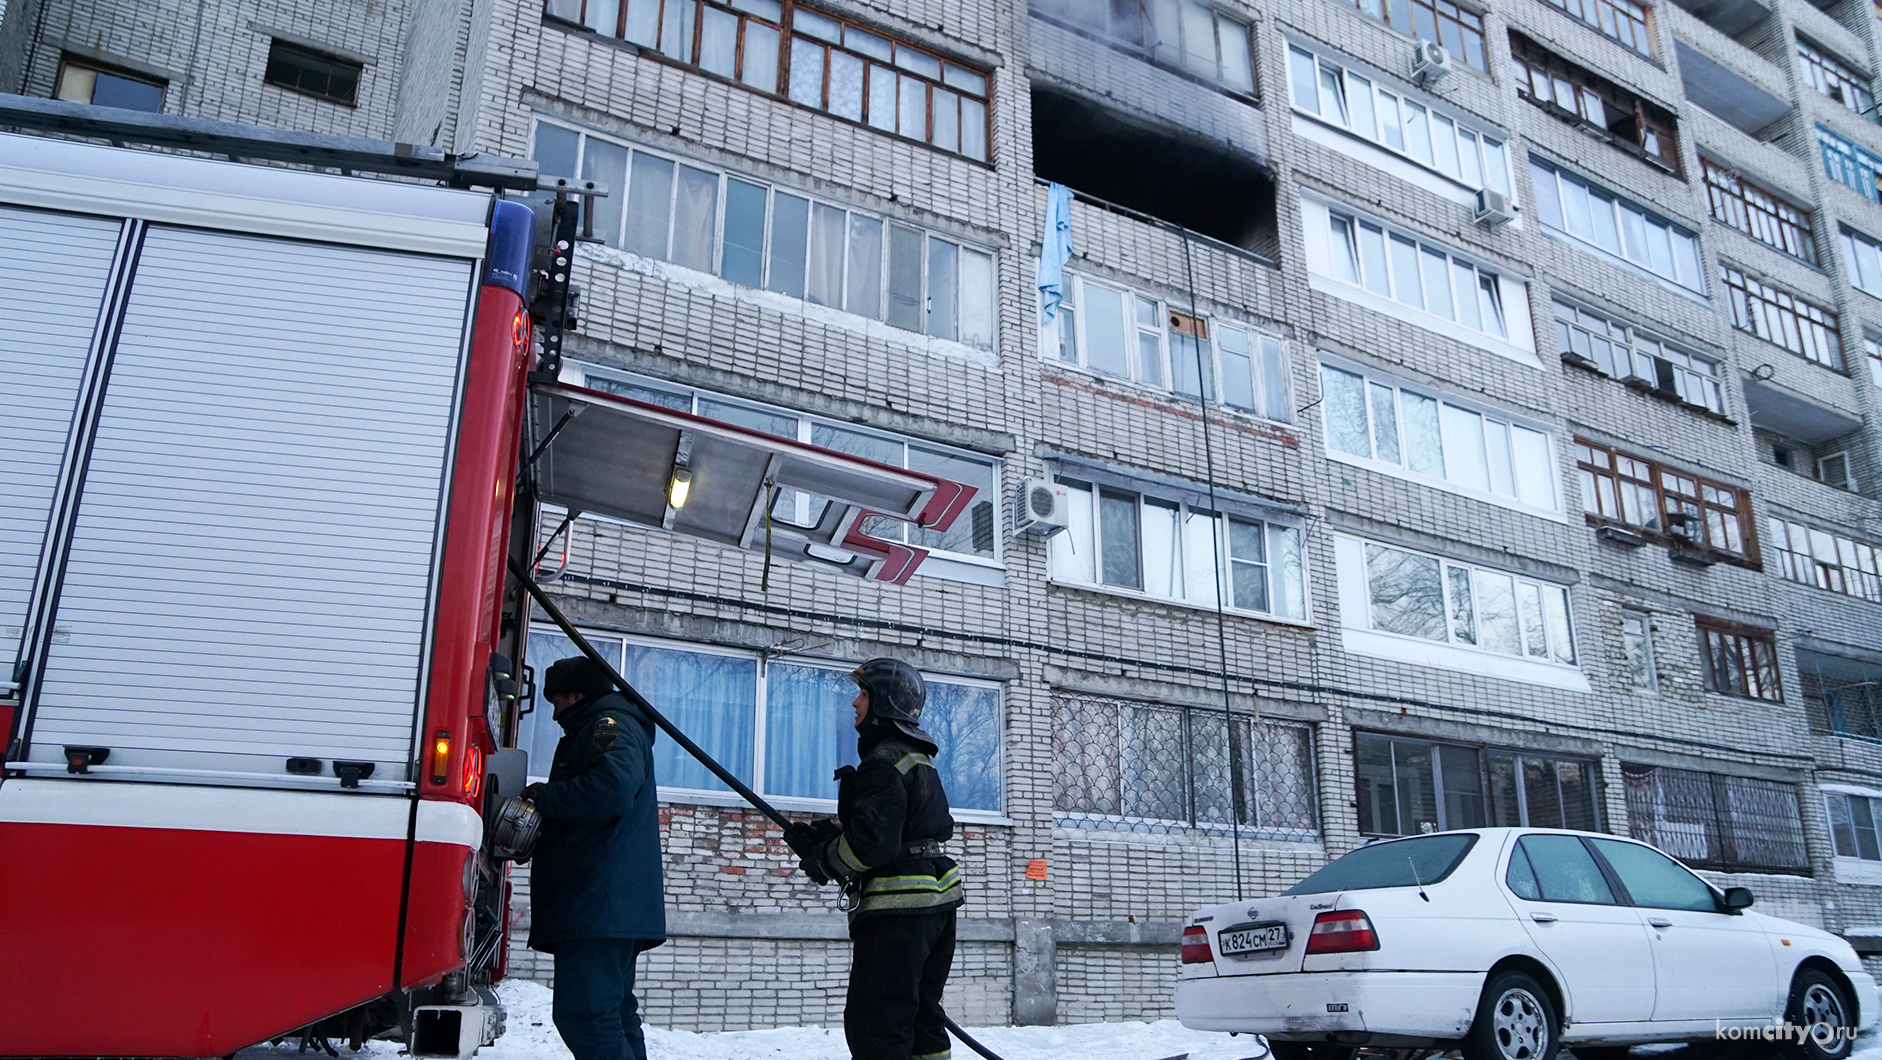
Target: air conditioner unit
(1045, 507)
(1430, 61)
(1494, 209)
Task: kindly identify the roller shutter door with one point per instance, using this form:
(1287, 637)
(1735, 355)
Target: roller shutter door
(53, 272)
(253, 555)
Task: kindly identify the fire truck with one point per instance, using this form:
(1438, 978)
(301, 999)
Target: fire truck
(276, 436)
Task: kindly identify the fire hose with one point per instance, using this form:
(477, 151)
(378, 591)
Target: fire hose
(758, 801)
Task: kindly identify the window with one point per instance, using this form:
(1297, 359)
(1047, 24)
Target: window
(1176, 550)
(1182, 34)
(1865, 270)
(813, 59)
(85, 82)
(1557, 868)
(310, 73)
(1580, 95)
(1154, 767)
(1654, 880)
(1413, 272)
(1835, 79)
(1851, 166)
(1119, 332)
(1600, 219)
(1397, 122)
(1663, 501)
(1740, 660)
(1416, 595)
(1874, 350)
(1627, 353)
(1833, 470)
(1825, 560)
(1457, 27)
(1375, 419)
(1758, 213)
(1712, 821)
(1407, 787)
(1778, 316)
(1401, 863)
(1853, 820)
(1623, 20)
(719, 696)
(760, 235)
(974, 537)
(1637, 651)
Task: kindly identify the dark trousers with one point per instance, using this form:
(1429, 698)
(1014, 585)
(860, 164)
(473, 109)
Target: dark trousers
(594, 1010)
(897, 974)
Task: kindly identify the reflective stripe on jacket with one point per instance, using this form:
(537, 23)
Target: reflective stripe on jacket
(894, 813)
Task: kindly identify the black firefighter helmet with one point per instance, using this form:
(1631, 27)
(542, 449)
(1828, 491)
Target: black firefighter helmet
(896, 696)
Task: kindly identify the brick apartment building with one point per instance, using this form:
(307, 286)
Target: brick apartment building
(1381, 517)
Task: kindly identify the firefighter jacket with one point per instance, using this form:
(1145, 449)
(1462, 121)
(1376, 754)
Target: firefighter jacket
(895, 817)
(596, 871)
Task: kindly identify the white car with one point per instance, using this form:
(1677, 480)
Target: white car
(1513, 943)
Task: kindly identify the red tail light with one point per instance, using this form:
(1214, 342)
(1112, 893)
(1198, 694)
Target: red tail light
(1196, 945)
(1344, 931)
(473, 770)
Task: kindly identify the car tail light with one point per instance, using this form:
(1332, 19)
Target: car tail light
(473, 770)
(1196, 945)
(1342, 931)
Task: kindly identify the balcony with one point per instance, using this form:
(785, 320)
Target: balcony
(1784, 412)
(1737, 100)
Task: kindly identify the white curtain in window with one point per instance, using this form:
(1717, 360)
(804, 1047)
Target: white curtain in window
(809, 729)
(711, 698)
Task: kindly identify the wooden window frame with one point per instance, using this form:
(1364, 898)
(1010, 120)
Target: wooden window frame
(1806, 329)
(1754, 648)
(1702, 505)
(1618, 105)
(786, 34)
(1836, 79)
(1609, 15)
(1455, 25)
(1759, 212)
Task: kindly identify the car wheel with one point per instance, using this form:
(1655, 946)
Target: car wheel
(1310, 1051)
(1515, 1021)
(1819, 1006)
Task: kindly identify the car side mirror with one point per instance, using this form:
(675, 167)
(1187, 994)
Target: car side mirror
(1737, 898)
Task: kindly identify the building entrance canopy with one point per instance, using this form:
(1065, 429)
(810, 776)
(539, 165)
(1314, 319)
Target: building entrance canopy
(650, 465)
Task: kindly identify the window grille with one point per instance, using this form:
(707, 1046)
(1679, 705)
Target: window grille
(1712, 821)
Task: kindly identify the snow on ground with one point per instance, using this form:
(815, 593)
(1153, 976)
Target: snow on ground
(531, 1035)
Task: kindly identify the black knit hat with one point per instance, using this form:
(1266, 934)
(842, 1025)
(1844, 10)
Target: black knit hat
(578, 674)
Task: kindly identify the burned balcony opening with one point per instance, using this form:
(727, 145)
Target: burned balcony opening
(1201, 185)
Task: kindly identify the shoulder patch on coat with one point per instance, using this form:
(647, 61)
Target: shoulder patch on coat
(607, 733)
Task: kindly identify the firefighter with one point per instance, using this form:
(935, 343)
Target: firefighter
(885, 850)
(596, 899)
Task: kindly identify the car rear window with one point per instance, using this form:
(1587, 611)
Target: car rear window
(1399, 863)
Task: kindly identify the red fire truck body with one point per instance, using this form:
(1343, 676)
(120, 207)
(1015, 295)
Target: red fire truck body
(263, 434)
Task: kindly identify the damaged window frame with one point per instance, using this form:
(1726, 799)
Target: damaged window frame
(1783, 318)
(1158, 344)
(1621, 489)
(1512, 466)
(927, 283)
(924, 86)
(1392, 119)
(1273, 561)
(1455, 806)
(1625, 118)
(800, 509)
(1459, 27)
(1141, 26)
(1835, 79)
(1759, 212)
(1541, 615)
(1832, 562)
(1618, 350)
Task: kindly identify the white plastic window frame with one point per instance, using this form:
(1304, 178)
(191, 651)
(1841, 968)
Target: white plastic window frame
(1693, 372)
(964, 250)
(1644, 637)
(1224, 561)
(1446, 567)
(1335, 80)
(1865, 260)
(1557, 191)
(692, 396)
(757, 722)
(1402, 469)
(1070, 324)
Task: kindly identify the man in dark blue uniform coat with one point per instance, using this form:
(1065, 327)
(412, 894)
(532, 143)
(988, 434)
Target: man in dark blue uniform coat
(595, 889)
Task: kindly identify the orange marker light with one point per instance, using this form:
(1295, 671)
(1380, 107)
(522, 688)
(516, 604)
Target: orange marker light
(440, 757)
